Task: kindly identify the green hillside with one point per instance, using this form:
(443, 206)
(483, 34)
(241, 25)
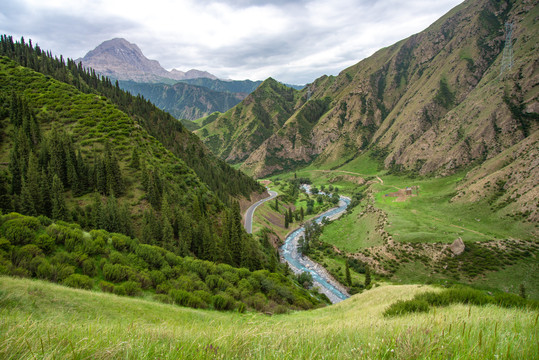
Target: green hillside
(236, 133)
(230, 86)
(227, 183)
(76, 157)
(110, 262)
(48, 321)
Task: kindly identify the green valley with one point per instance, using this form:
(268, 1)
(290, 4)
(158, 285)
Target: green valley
(394, 205)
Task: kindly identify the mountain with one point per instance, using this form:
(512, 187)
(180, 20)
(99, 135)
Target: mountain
(193, 98)
(435, 103)
(184, 101)
(191, 74)
(231, 86)
(122, 60)
(235, 134)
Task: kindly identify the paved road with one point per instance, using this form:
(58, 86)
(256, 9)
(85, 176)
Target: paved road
(250, 212)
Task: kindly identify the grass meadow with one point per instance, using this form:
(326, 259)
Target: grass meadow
(47, 321)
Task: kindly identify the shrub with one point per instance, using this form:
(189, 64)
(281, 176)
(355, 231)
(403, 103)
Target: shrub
(106, 286)
(17, 233)
(115, 273)
(305, 279)
(130, 288)
(163, 298)
(180, 297)
(5, 245)
(509, 300)
(402, 307)
(45, 221)
(151, 254)
(223, 302)
(462, 295)
(204, 295)
(19, 272)
(64, 271)
(157, 277)
(73, 240)
(45, 243)
(79, 281)
(89, 267)
(242, 308)
(46, 271)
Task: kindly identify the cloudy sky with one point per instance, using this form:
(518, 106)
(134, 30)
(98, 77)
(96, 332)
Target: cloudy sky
(294, 41)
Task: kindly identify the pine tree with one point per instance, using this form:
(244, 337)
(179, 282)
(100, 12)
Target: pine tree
(26, 201)
(522, 291)
(236, 235)
(113, 172)
(15, 168)
(101, 176)
(301, 213)
(347, 272)
(226, 253)
(125, 220)
(110, 216)
(59, 207)
(168, 234)
(95, 213)
(367, 276)
(147, 227)
(45, 192)
(135, 161)
(290, 215)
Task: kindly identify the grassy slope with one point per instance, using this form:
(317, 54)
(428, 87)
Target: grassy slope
(430, 217)
(43, 320)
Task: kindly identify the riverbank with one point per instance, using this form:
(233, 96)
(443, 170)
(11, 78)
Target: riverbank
(299, 263)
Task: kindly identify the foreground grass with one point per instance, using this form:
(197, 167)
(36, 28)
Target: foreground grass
(42, 320)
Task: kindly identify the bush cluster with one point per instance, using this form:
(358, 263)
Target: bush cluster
(115, 263)
(461, 295)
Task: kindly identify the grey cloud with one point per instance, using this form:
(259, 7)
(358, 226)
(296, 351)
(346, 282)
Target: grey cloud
(62, 32)
(271, 54)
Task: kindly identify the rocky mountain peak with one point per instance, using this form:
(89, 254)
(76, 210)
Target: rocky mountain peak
(119, 59)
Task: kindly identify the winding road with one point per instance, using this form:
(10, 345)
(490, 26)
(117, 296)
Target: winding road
(251, 210)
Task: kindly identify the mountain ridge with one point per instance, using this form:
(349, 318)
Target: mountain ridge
(419, 105)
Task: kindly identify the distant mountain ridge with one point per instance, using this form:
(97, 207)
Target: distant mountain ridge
(184, 101)
(121, 60)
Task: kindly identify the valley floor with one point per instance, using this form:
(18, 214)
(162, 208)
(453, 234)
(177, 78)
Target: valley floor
(403, 226)
(46, 321)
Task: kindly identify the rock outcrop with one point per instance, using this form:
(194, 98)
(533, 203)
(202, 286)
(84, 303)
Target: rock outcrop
(457, 247)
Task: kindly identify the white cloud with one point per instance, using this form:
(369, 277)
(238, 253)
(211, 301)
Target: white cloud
(293, 41)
